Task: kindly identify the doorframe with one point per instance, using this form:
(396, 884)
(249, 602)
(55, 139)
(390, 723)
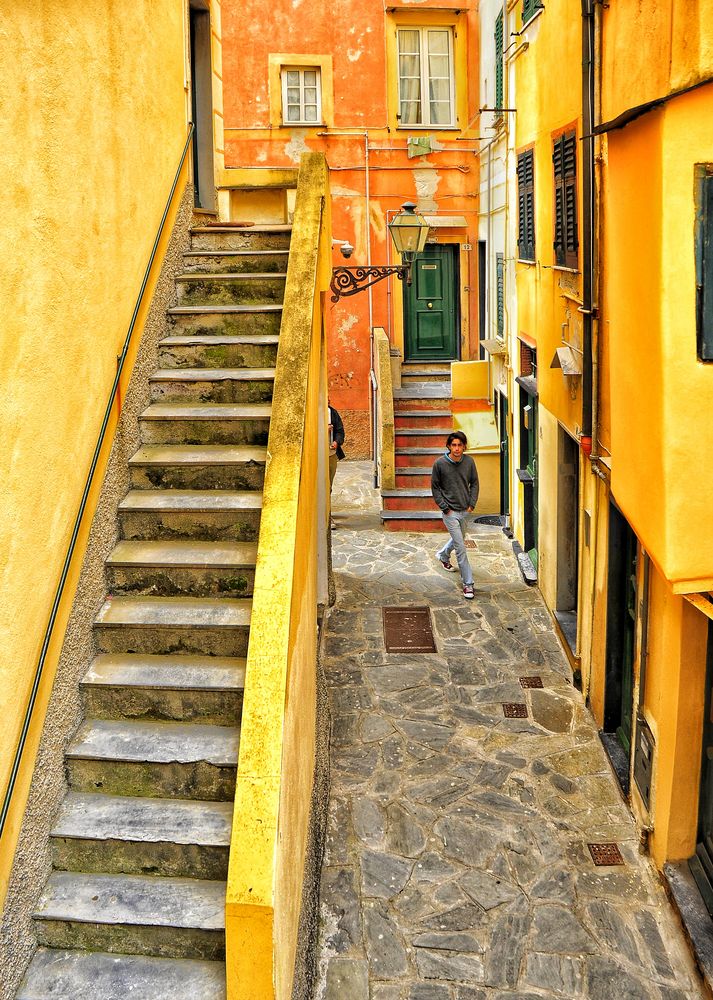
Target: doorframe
(454, 250)
(201, 87)
(622, 541)
(701, 862)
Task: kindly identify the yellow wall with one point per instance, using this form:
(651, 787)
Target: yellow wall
(277, 741)
(664, 45)
(93, 124)
(673, 707)
(661, 418)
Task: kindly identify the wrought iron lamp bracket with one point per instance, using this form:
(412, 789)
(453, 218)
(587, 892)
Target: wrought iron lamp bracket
(350, 280)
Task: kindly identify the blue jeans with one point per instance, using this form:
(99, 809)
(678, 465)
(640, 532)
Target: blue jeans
(456, 522)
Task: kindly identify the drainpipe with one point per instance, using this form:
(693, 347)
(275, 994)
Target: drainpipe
(588, 218)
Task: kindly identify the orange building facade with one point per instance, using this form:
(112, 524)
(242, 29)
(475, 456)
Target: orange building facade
(390, 96)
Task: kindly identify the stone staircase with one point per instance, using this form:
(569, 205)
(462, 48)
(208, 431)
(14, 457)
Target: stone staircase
(422, 419)
(135, 903)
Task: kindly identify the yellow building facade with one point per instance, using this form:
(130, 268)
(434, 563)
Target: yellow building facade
(655, 151)
(95, 129)
(610, 382)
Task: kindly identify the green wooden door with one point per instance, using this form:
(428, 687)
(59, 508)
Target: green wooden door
(532, 469)
(701, 864)
(504, 454)
(430, 321)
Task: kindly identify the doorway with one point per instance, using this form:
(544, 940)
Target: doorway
(567, 537)
(620, 640)
(502, 417)
(430, 306)
(202, 105)
(527, 473)
(701, 864)
(482, 296)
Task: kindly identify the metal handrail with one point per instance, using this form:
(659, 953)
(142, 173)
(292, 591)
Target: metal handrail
(85, 495)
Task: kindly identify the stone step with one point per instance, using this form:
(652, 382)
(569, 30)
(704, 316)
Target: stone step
(118, 834)
(212, 385)
(167, 625)
(418, 498)
(217, 351)
(208, 514)
(230, 289)
(198, 467)
(133, 914)
(435, 392)
(423, 418)
(230, 321)
(182, 566)
(241, 237)
(154, 759)
(76, 975)
(204, 689)
(412, 520)
(416, 457)
(206, 423)
(236, 261)
(414, 437)
(411, 375)
(414, 477)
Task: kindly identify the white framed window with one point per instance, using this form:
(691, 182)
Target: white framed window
(301, 95)
(426, 85)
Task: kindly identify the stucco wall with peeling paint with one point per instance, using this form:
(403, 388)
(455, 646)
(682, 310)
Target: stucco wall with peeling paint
(354, 44)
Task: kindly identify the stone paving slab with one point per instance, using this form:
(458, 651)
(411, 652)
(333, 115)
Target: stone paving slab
(456, 865)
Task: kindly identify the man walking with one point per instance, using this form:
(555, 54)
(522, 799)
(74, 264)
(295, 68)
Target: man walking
(454, 485)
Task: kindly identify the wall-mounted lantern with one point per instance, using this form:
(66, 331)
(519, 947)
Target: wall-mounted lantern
(409, 232)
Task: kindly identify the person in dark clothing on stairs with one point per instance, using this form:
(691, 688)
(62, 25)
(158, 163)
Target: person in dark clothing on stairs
(454, 485)
(336, 452)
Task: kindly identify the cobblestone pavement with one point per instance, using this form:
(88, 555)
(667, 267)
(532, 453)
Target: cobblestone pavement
(456, 865)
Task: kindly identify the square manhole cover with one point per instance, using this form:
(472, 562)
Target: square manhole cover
(514, 710)
(605, 854)
(531, 682)
(408, 630)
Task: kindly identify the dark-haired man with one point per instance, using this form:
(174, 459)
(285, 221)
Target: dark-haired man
(454, 485)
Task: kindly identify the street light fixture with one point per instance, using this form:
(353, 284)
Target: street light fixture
(409, 232)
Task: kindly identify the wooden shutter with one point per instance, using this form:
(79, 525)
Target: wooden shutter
(564, 160)
(500, 292)
(704, 268)
(499, 61)
(529, 9)
(526, 205)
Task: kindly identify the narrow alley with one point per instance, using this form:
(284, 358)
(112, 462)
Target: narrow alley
(457, 864)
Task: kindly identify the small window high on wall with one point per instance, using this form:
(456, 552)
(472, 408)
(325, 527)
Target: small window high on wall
(426, 85)
(301, 95)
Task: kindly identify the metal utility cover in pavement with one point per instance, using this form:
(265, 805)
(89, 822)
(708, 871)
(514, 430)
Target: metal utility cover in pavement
(408, 630)
(605, 854)
(531, 682)
(514, 710)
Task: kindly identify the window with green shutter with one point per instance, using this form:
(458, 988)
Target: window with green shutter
(704, 261)
(564, 159)
(529, 9)
(500, 292)
(499, 61)
(526, 205)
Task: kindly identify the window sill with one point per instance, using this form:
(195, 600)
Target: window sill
(304, 125)
(428, 128)
(524, 260)
(567, 270)
(538, 13)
